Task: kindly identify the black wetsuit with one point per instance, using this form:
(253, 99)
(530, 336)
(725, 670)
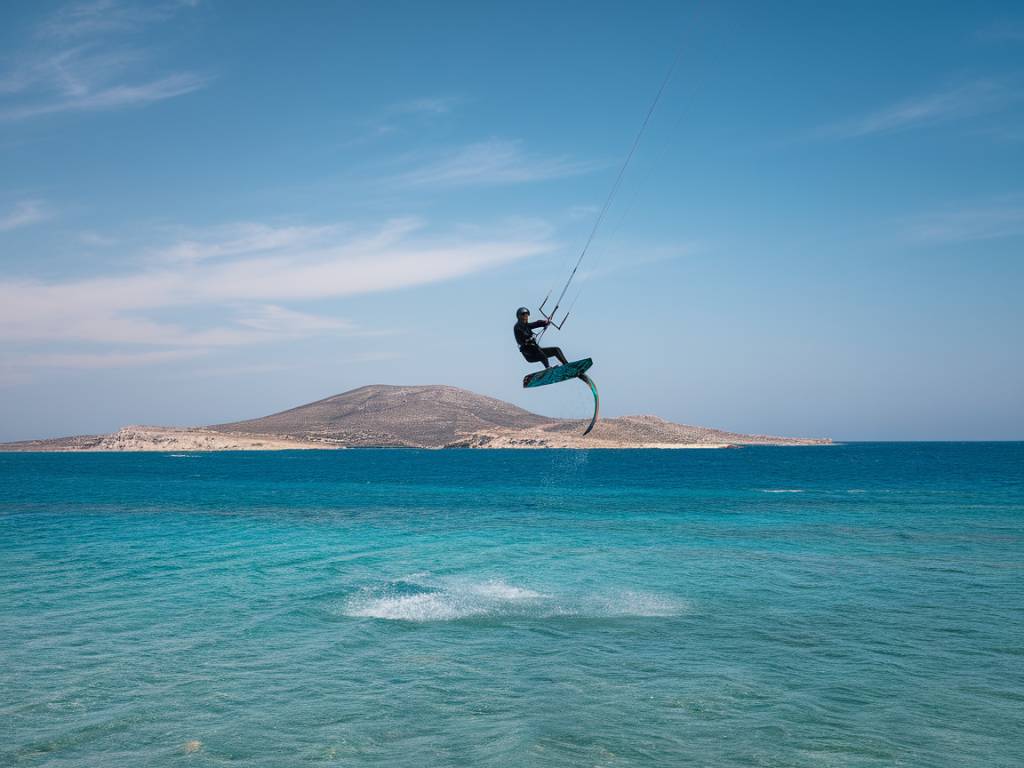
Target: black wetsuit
(532, 351)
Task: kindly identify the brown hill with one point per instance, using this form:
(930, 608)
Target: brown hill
(383, 415)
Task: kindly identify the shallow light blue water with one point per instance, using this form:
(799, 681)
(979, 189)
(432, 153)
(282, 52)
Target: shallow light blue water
(859, 605)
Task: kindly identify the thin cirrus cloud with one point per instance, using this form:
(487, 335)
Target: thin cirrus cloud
(110, 98)
(99, 17)
(79, 61)
(110, 359)
(427, 105)
(395, 118)
(96, 239)
(968, 225)
(248, 295)
(960, 102)
(1005, 30)
(620, 261)
(245, 238)
(493, 162)
(24, 214)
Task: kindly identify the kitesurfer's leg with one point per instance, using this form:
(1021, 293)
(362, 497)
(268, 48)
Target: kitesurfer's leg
(535, 354)
(555, 352)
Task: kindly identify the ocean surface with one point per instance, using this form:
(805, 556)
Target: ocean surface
(856, 605)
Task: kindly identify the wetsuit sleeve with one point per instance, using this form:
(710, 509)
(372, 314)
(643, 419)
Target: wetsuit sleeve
(538, 323)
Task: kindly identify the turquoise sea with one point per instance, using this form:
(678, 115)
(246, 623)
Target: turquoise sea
(856, 605)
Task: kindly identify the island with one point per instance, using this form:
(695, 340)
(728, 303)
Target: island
(428, 416)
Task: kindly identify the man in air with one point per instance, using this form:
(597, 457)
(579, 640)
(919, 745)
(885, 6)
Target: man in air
(532, 351)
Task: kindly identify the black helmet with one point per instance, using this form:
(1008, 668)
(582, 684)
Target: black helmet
(522, 311)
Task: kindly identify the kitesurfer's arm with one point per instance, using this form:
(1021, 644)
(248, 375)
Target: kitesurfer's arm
(538, 324)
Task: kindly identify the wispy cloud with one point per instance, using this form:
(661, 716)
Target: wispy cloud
(99, 17)
(96, 239)
(959, 102)
(973, 224)
(235, 370)
(395, 118)
(110, 359)
(577, 212)
(80, 61)
(617, 262)
(427, 105)
(244, 238)
(370, 357)
(249, 295)
(110, 98)
(1004, 30)
(273, 319)
(498, 161)
(248, 371)
(25, 213)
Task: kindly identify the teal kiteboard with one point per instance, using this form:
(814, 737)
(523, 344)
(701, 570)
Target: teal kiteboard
(574, 370)
(557, 373)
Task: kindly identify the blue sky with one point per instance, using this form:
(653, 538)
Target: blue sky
(212, 211)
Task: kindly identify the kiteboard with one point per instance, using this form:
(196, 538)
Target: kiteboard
(574, 370)
(558, 373)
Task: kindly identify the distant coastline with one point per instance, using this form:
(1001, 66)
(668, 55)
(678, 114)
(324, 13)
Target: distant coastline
(430, 416)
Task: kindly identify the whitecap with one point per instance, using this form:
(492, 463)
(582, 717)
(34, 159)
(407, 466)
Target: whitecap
(422, 607)
(408, 600)
(462, 598)
(630, 603)
(499, 590)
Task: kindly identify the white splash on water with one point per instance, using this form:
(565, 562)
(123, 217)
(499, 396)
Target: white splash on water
(499, 590)
(454, 599)
(629, 603)
(430, 606)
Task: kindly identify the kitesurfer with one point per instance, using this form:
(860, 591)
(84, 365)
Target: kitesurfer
(532, 351)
